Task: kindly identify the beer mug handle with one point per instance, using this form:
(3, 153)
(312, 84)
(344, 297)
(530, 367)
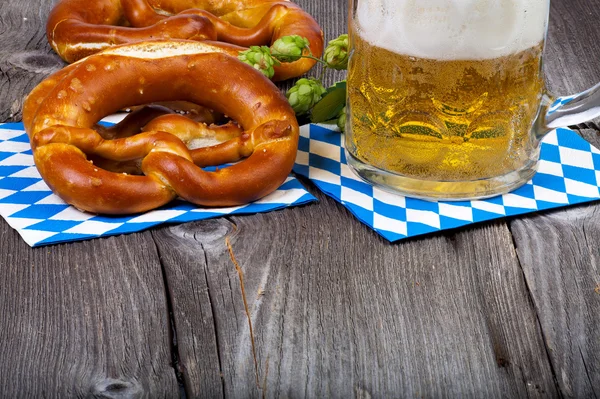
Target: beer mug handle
(572, 110)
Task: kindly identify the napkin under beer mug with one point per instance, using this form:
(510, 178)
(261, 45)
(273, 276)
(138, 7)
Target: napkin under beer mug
(569, 173)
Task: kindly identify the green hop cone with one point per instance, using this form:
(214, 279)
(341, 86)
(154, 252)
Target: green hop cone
(305, 94)
(259, 57)
(336, 53)
(341, 121)
(289, 48)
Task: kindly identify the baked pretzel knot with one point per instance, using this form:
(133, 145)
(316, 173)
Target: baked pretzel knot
(84, 167)
(78, 28)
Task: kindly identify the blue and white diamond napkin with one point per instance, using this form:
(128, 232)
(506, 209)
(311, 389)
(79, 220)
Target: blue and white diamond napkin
(42, 218)
(569, 173)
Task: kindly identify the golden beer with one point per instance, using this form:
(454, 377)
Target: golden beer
(446, 98)
(442, 120)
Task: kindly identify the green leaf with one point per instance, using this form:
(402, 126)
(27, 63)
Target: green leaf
(337, 85)
(331, 104)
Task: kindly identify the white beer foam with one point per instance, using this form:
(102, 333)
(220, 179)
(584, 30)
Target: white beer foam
(453, 29)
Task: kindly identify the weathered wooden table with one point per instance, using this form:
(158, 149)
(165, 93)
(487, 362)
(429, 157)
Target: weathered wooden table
(305, 302)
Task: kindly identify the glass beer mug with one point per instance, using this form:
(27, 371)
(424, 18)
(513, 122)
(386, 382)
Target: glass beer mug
(446, 98)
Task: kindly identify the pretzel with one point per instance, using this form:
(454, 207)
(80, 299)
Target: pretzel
(60, 113)
(77, 28)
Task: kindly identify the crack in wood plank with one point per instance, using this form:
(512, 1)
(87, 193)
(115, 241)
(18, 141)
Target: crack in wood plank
(264, 390)
(523, 379)
(175, 364)
(203, 353)
(241, 277)
(587, 372)
(212, 309)
(281, 336)
(536, 313)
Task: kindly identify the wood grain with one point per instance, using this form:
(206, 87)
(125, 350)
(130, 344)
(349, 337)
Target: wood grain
(25, 56)
(195, 319)
(559, 250)
(77, 320)
(84, 319)
(338, 312)
(571, 61)
(560, 258)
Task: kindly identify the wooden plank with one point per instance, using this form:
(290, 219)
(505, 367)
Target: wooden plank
(571, 61)
(572, 45)
(195, 321)
(338, 312)
(560, 260)
(558, 250)
(25, 56)
(84, 319)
